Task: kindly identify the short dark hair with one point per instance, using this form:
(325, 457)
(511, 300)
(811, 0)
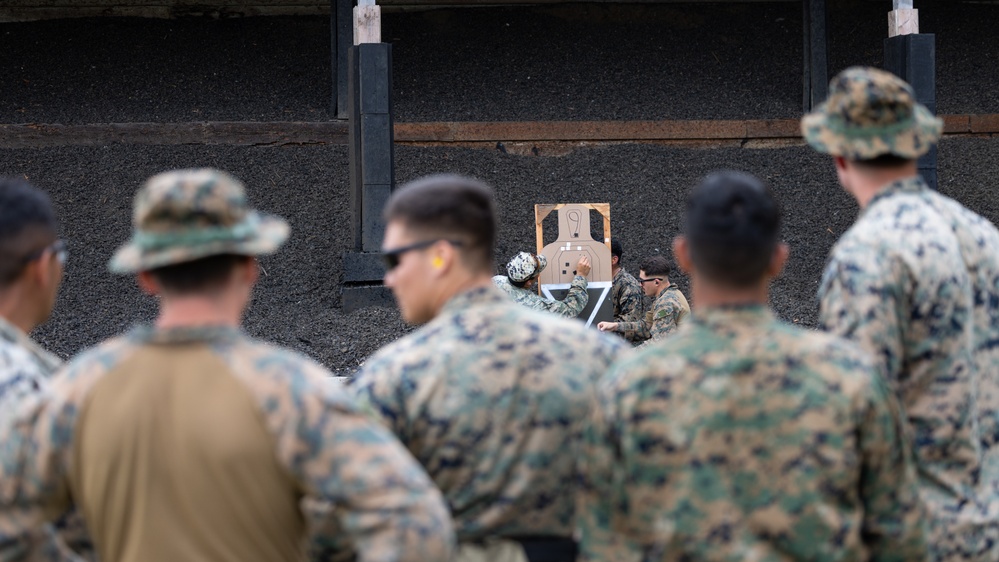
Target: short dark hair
(655, 265)
(883, 161)
(732, 227)
(197, 276)
(451, 207)
(27, 224)
(616, 249)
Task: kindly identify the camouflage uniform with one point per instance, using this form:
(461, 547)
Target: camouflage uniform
(916, 282)
(196, 443)
(25, 370)
(745, 438)
(669, 311)
(491, 398)
(629, 300)
(570, 307)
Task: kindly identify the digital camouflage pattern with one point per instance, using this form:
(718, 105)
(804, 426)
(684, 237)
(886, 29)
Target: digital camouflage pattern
(525, 266)
(871, 112)
(669, 311)
(25, 370)
(492, 398)
(916, 282)
(380, 497)
(186, 215)
(745, 438)
(629, 300)
(570, 307)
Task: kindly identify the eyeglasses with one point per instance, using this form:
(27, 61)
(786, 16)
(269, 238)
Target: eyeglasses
(58, 248)
(391, 258)
(644, 281)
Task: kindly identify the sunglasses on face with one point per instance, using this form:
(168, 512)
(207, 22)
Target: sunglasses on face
(58, 249)
(644, 281)
(391, 258)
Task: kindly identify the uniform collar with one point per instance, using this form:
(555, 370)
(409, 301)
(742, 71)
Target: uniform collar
(914, 184)
(14, 335)
(474, 297)
(666, 288)
(182, 335)
(733, 314)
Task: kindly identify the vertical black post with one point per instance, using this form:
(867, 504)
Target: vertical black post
(816, 47)
(372, 175)
(341, 38)
(913, 59)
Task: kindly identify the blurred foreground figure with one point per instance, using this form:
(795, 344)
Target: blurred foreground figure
(490, 396)
(32, 259)
(916, 282)
(187, 440)
(742, 437)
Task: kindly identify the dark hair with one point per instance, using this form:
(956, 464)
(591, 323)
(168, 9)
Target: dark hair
(451, 207)
(655, 265)
(732, 227)
(616, 249)
(27, 224)
(884, 161)
(197, 276)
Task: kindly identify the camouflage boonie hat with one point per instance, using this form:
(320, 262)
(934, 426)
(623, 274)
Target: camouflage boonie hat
(186, 215)
(869, 113)
(525, 266)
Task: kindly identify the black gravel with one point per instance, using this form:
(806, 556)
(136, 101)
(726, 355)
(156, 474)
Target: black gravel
(576, 62)
(297, 303)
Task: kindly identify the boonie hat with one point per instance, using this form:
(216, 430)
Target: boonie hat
(185, 215)
(525, 266)
(869, 113)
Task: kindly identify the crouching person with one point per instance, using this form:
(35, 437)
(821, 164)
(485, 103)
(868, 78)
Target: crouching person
(187, 440)
(490, 396)
(742, 437)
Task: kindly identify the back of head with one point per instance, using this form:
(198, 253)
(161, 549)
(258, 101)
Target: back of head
(616, 249)
(27, 225)
(449, 207)
(732, 227)
(655, 265)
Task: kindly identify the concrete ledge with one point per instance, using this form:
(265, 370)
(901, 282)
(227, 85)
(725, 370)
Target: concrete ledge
(40, 135)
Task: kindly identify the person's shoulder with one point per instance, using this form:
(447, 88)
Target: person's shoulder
(270, 359)
(839, 361)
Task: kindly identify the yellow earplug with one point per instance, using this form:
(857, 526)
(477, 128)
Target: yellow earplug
(438, 262)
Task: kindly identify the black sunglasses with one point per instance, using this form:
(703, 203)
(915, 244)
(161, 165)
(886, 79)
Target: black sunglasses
(58, 249)
(391, 257)
(644, 281)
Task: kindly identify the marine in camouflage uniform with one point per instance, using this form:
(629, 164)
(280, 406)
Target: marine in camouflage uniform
(195, 442)
(524, 269)
(32, 260)
(669, 310)
(743, 437)
(915, 281)
(489, 396)
(626, 292)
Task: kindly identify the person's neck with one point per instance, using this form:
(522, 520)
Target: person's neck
(708, 295)
(457, 283)
(866, 185)
(614, 270)
(199, 311)
(17, 308)
(666, 284)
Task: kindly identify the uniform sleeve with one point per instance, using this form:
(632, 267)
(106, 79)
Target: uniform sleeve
(602, 497)
(382, 498)
(574, 302)
(664, 316)
(893, 513)
(636, 331)
(863, 298)
(33, 484)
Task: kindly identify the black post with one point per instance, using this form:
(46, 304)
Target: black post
(341, 38)
(913, 59)
(816, 45)
(372, 176)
